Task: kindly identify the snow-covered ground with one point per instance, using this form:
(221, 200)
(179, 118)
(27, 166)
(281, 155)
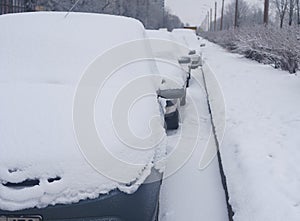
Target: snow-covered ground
(190, 193)
(260, 150)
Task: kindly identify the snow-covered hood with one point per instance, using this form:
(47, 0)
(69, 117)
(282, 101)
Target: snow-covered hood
(174, 76)
(42, 58)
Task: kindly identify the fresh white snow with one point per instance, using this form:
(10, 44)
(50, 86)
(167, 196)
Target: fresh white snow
(41, 62)
(190, 193)
(260, 150)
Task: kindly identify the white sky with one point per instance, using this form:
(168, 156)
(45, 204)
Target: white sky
(194, 11)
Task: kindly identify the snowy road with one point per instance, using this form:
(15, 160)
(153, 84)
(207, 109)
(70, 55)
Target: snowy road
(193, 194)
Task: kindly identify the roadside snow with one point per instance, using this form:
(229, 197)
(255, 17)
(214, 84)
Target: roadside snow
(190, 193)
(260, 150)
(42, 58)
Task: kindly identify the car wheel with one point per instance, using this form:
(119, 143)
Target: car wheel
(172, 120)
(157, 212)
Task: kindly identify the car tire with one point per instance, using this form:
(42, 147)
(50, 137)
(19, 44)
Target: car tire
(157, 212)
(172, 120)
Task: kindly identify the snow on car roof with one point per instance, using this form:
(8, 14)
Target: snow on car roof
(171, 72)
(187, 37)
(42, 58)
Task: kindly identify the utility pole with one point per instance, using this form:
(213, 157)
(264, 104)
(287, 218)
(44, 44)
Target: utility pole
(147, 14)
(215, 28)
(298, 12)
(211, 19)
(204, 24)
(208, 21)
(222, 16)
(236, 14)
(266, 12)
(291, 14)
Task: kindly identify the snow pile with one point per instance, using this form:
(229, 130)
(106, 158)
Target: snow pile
(42, 58)
(260, 150)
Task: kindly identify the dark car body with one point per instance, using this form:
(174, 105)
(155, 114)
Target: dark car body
(115, 206)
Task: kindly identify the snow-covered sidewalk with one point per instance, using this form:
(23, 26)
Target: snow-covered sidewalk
(260, 149)
(190, 193)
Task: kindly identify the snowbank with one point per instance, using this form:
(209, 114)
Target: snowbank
(42, 58)
(260, 150)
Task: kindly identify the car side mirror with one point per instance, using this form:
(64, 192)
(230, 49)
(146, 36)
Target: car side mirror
(192, 52)
(171, 93)
(196, 61)
(184, 60)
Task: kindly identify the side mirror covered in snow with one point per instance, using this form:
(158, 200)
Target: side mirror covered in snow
(184, 60)
(192, 52)
(196, 61)
(171, 93)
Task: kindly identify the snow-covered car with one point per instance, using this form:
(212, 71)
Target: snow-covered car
(43, 173)
(171, 115)
(196, 59)
(187, 37)
(171, 100)
(173, 88)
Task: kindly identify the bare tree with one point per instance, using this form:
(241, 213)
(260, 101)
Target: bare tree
(266, 12)
(107, 3)
(215, 23)
(222, 15)
(236, 14)
(247, 15)
(298, 12)
(208, 22)
(291, 14)
(281, 6)
(151, 13)
(211, 19)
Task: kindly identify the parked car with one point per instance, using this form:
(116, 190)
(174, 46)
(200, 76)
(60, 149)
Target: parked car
(114, 206)
(43, 175)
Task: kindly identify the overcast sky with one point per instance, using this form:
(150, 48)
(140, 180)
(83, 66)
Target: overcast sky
(194, 11)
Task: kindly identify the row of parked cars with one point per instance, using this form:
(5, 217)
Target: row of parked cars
(114, 205)
(177, 97)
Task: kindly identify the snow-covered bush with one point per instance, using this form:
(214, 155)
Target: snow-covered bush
(269, 45)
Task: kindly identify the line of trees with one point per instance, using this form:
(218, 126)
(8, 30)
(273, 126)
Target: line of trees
(251, 31)
(150, 12)
(239, 13)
